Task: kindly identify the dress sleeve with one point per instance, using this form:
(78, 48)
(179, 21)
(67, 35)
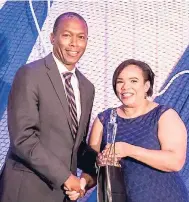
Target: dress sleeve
(104, 116)
(162, 109)
(101, 117)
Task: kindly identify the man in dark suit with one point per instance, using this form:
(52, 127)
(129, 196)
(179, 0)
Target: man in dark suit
(42, 159)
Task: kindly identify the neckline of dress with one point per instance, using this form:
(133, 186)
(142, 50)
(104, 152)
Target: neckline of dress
(139, 115)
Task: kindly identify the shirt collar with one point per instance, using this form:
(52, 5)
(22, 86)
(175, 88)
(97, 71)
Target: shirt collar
(61, 67)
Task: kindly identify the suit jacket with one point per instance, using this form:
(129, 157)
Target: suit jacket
(43, 151)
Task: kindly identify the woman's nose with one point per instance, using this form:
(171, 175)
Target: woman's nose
(125, 86)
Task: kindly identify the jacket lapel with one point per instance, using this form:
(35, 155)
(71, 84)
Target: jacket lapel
(56, 81)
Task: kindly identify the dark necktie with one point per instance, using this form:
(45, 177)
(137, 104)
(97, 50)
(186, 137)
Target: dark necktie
(71, 101)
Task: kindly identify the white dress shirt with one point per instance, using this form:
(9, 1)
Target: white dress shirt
(74, 82)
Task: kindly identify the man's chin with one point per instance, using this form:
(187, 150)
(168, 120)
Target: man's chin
(72, 59)
(71, 62)
(70, 65)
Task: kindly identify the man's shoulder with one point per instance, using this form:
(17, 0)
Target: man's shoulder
(32, 70)
(35, 66)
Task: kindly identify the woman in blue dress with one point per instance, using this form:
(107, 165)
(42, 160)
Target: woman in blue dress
(151, 139)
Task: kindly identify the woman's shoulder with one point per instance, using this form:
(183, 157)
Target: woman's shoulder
(161, 109)
(104, 115)
(106, 111)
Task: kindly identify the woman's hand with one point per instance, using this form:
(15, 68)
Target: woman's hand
(103, 160)
(112, 154)
(119, 150)
(74, 195)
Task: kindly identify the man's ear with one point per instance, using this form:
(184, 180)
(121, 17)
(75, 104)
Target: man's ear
(52, 38)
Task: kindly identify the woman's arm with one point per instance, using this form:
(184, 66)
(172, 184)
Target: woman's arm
(96, 135)
(172, 135)
(95, 139)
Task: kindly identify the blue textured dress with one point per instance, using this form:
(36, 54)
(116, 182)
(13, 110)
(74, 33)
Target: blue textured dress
(142, 182)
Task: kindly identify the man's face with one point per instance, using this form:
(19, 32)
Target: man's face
(70, 41)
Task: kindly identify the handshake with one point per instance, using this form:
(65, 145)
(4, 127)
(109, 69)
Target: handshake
(75, 187)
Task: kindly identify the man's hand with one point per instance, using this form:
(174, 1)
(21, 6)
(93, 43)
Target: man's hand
(72, 184)
(74, 195)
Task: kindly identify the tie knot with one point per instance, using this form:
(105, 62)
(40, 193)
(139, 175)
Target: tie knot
(67, 76)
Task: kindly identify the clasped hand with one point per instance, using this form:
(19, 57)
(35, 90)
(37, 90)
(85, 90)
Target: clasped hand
(75, 187)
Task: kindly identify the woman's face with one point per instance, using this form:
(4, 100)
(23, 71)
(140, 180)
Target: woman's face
(131, 88)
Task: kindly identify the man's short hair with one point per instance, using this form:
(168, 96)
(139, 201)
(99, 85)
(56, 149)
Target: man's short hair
(67, 15)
